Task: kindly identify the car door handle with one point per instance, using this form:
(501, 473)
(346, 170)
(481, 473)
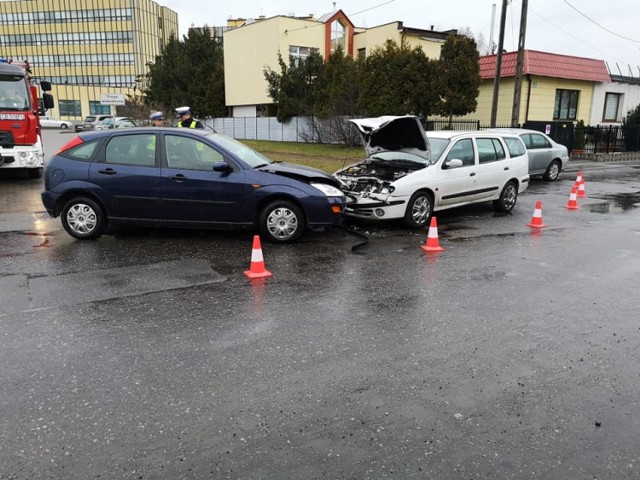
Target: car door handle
(472, 174)
(506, 168)
(108, 171)
(178, 178)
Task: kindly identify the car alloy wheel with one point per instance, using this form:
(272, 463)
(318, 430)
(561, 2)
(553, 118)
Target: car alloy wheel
(83, 219)
(419, 210)
(508, 198)
(281, 222)
(553, 170)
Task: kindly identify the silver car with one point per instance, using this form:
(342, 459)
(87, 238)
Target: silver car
(50, 122)
(546, 157)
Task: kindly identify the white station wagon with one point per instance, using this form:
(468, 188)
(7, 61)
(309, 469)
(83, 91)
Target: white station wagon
(409, 174)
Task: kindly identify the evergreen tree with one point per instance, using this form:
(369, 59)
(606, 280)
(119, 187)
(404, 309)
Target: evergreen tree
(633, 117)
(459, 77)
(397, 80)
(190, 73)
(295, 88)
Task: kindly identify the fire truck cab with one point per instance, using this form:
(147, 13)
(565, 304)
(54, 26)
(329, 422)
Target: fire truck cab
(20, 107)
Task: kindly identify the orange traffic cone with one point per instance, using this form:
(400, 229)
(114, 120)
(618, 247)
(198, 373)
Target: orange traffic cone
(257, 269)
(572, 204)
(581, 193)
(432, 245)
(536, 220)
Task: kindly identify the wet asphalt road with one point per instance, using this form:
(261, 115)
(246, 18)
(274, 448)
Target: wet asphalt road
(148, 354)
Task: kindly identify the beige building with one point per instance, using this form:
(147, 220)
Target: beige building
(555, 88)
(91, 50)
(251, 45)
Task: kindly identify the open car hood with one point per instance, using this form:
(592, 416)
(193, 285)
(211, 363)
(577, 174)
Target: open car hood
(393, 134)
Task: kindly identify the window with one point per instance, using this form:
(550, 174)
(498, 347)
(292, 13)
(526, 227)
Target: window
(338, 36)
(515, 146)
(539, 141)
(83, 152)
(611, 107)
(566, 105)
(362, 53)
(297, 53)
(190, 154)
(490, 150)
(96, 109)
(137, 150)
(462, 150)
(69, 108)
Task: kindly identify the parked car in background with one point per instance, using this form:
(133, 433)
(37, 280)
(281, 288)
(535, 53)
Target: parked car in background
(90, 122)
(115, 122)
(183, 177)
(546, 157)
(50, 122)
(409, 175)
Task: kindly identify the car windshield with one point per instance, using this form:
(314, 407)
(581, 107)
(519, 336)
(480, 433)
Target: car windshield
(399, 157)
(13, 93)
(248, 155)
(438, 145)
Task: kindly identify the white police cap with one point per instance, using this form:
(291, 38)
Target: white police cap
(156, 116)
(182, 110)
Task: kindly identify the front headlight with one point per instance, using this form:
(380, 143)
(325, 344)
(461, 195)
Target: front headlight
(328, 190)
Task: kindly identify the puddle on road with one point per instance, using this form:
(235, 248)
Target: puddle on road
(616, 203)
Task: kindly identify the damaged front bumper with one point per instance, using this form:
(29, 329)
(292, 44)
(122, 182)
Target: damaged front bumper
(374, 207)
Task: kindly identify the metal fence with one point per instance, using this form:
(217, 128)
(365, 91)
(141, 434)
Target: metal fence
(261, 128)
(607, 139)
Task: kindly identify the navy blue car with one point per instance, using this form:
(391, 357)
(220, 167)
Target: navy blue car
(183, 178)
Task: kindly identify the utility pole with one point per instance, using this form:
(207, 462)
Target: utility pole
(517, 90)
(496, 79)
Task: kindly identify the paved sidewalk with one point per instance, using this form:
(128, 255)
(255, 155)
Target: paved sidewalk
(575, 165)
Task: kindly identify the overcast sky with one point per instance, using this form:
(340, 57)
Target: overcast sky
(602, 29)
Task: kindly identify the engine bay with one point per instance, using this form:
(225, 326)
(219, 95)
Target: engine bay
(374, 176)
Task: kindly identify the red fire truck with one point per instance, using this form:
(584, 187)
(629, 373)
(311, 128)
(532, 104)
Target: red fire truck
(20, 107)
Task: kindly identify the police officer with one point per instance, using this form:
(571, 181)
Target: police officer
(186, 120)
(157, 119)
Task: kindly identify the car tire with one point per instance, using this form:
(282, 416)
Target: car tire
(281, 221)
(419, 210)
(34, 172)
(508, 198)
(553, 170)
(83, 218)
(64, 126)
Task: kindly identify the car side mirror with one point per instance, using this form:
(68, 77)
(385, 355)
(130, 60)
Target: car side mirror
(453, 163)
(223, 167)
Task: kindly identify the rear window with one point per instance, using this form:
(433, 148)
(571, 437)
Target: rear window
(515, 146)
(89, 119)
(83, 152)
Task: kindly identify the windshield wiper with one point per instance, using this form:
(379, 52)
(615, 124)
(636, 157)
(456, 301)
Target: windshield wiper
(261, 165)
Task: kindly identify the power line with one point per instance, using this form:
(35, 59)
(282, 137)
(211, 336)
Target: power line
(571, 35)
(371, 8)
(603, 28)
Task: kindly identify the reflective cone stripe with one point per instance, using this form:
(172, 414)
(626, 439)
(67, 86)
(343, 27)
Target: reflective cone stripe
(581, 190)
(432, 245)
(579, 179)
(536, 220)
(572, 204)
(257, 269)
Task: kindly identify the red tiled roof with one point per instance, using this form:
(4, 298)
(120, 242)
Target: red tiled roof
(546, 65)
